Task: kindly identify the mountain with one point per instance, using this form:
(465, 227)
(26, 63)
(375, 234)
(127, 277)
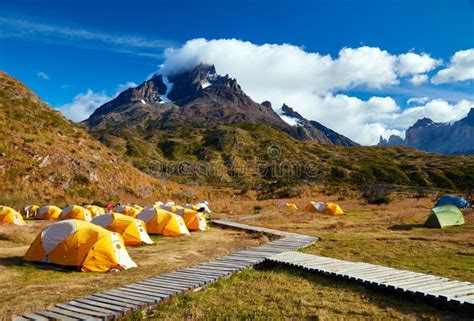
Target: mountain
(304, 129)
(427, 135)
(201, 98)
(46, 158)
(197, 127)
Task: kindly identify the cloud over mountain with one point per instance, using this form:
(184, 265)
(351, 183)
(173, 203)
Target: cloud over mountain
(314, 83)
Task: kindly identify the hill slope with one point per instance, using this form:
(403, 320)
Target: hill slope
(44, 157)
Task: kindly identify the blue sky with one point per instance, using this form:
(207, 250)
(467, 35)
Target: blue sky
(64, 48)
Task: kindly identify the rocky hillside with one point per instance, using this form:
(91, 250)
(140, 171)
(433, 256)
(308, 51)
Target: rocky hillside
(45, 158)
(427, 135)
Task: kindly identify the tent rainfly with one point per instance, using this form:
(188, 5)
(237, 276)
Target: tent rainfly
(75, 212)
(159, 221)
(132, 230)
(127, 210)
(80, 244)
(9, 216)
(49, 212)
(444, 216)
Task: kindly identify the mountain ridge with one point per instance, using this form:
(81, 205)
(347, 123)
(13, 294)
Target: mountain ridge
(444, 138)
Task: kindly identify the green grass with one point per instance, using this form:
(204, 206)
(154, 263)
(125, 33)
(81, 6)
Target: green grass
(280, 293)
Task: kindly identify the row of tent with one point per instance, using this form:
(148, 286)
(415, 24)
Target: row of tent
(316, 207)
(446, 212)
(99, 243)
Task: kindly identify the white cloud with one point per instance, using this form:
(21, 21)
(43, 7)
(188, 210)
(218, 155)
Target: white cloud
(418, 100)
(42, 75)
(460, 68)
(126, 43)
(412, 63)
(308, 82)
(83, 105)
(418, 79)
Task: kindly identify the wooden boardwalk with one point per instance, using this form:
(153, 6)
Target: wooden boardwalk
(118, 302)
(441, 291)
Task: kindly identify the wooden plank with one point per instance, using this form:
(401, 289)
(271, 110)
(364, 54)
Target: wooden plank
(95, 303)
(152, 291)
(121, 297)
(111, 313)
(34, 316)
(73, 314)
(196, 282)
(181, 280)
(19, 318)
(96, 314)
(56, 316)
(156, 285)
(204, 272)
(149, 297)
(114, 300)
(458, 290)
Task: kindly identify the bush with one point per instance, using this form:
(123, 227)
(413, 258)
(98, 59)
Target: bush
(376, 193)
(98, 203)
(257, 208)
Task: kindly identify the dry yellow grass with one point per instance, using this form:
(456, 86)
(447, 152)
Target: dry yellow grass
(31, 288)
(390, 235)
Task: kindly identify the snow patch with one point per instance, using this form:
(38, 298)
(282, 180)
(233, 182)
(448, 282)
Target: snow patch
(169, 87)
(205, 84)
(143, 101)
(287, 119)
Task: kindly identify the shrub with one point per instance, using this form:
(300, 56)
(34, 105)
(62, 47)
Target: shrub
(257, 208)
(80, 179)
(376, 193)
(98, 203)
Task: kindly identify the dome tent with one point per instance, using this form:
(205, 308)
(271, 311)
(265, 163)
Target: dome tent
(444, 216)
(202, 206)
(29, 211)
(316, 207)
(195, 221)
(289, 206)
(127, 210)
(458, 201)
(9, 216)
(325, 208)
(75, 212)
(95, 210)
(159, 221)
(333, 209)
(49, 212)
(80, 244)
(132, 230)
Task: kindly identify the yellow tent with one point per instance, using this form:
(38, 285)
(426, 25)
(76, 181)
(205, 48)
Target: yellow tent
(133, 230)
(177, 209)
(29, 211)
(82, 244)
(195, 221)
(75, 212)
(333, 209)
(127, 210)
(49, 212)
(9, 216)
(316, 207)
(289, 206)
(159, 221)
(137, 207)
(202, 206)
(95, 210)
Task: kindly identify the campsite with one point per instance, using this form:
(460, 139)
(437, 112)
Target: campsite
(236, 160)
(379, 234)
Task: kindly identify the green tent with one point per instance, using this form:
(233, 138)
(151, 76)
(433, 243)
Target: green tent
(446, 215)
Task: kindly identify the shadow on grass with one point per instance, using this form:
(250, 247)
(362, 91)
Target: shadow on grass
(12, 261)
(405, 227)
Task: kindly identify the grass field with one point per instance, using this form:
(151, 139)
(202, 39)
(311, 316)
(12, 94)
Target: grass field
(389, 235)
(283, 294)
(31, 288)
